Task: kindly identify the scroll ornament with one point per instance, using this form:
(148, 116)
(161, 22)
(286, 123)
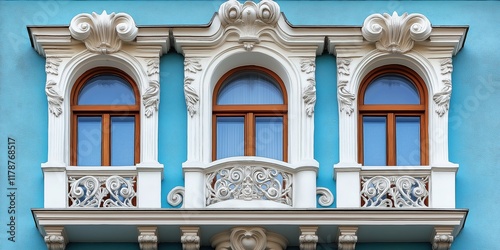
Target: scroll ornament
(103, 34)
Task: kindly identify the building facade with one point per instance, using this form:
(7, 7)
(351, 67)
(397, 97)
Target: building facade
(249, 125)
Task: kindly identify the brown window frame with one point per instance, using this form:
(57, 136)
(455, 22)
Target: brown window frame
(106, 112)
(390, 111)
(250, 112)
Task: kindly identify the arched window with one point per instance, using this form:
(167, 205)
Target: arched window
(105, 119)
(250, 115)
(392, 118)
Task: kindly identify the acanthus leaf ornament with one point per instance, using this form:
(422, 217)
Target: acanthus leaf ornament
(103, 33)
(191, 67)
(442, 98)
(151, 98)
(345, 97)
(52, 65)
(309, 96)
(54, 98)
(249, 19)
(190, 95)
(153, 67)
(396, 34)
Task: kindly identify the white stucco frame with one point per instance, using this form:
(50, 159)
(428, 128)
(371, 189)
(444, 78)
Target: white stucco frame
(250, 38)
(94, 40)
(426, 50)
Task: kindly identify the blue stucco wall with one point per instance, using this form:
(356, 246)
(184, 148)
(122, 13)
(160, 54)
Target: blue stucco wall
(474, 113)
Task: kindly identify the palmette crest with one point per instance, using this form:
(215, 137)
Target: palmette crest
(103, 33)
(396, 34)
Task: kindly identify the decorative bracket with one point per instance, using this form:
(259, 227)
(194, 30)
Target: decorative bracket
(308, 66)
(103, 34)
(347, 238)
(55, 238)
(191, 67)
(396, 34)
(249, 19)
(190, 239)
(151, 98)
(442, 238)
(308, 238)
(442, 99)
(148, 239)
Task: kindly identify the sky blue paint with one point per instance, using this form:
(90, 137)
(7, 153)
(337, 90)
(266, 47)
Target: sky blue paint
(474, 116)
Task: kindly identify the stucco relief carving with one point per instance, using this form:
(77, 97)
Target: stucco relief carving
(153, 67)
(103, 33)
(308, 66)
(191, 67)
(442, 242)
(151, 98)
(396, 34)
(249, 18)
(442, 98)
(325, 196)
(345, 97)
(308, 241)
(175, 196)
(347, 242)
(54, 98)
(55, 242)
(52, 65)
(248, 238)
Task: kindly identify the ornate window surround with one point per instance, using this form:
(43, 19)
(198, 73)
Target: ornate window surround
(100, 40)
(242, 35)
(425, 49)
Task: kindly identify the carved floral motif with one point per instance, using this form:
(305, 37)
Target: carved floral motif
(151, 98)
(309, 96)
(55, 242)
(347, 242)
(442, 98)
(394, 191)
(345, 97)
(191, 66)
(190, 242)
(52, 65)
(308, 241)
(249, 183)
(153, 67)
(148, 241)
(55, 100)
(396, 34)
(109, 191)
(249, 18)
(103, 33)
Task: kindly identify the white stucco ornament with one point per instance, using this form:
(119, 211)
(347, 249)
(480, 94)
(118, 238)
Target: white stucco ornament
(396, 34)
(249, 19)
(103, 33)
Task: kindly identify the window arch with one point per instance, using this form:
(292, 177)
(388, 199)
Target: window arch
(250, 115)
(105, 119)
(392, 118)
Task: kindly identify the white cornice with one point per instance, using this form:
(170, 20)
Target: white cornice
(412, 225)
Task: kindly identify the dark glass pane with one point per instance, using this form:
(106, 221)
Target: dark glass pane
(391, 89)
(106, 90)
(250, 87)
(122, 140)
(269, 137)
(230, 137)
(408, 140)
(89, 141)
(374, 140)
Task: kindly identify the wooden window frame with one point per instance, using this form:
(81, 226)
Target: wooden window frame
(391, 111)
(105, 112)
(249, 112)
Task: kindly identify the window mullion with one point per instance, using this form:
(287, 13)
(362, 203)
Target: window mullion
(391, 139)
(106, 140)
(250, 134)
